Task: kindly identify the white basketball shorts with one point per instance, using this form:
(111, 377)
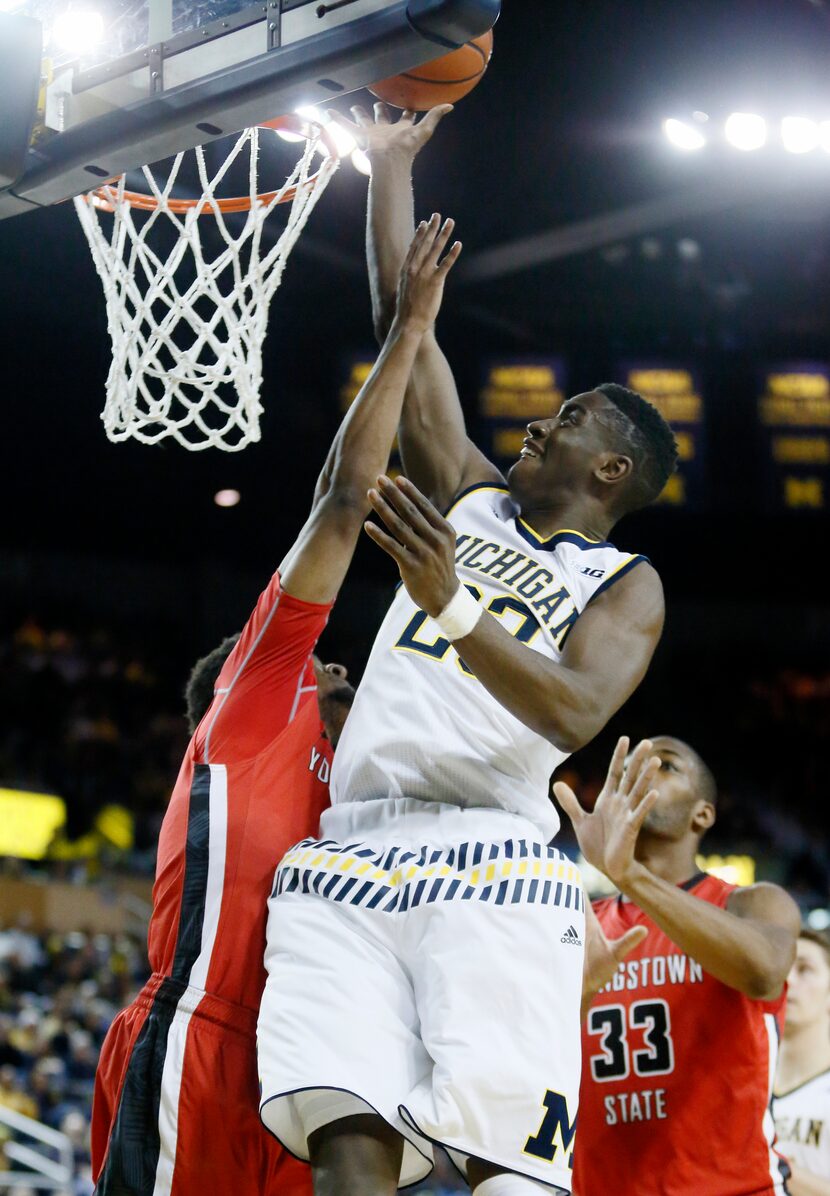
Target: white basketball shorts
(427, 959)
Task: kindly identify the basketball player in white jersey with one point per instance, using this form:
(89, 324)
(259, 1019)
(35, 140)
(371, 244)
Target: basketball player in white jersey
(802, 1087)
(424, 955)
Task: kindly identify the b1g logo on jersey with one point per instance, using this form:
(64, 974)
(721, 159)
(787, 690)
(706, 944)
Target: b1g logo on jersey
(557, 1130)
(597, 573)
(319, 764)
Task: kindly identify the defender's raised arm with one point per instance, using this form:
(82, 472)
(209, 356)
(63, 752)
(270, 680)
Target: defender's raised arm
(316, 565)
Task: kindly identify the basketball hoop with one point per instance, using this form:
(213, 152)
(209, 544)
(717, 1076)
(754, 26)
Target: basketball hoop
(188, 323)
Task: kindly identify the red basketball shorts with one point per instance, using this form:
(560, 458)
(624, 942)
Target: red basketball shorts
(176, 1102)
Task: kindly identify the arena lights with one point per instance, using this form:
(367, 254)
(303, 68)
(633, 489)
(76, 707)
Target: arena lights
(749, 132)
(745, 131)
(344, 142)
(227, 498)
(78, 30)
(683, 135)
(799, 134)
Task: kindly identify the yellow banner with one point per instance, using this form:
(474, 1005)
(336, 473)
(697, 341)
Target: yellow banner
(522, 390)
(797, 411)
(672, 392)
(29, 822)
(734, 869)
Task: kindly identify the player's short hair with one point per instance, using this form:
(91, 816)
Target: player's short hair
(819, 938)
(198, 693)
(648, 440)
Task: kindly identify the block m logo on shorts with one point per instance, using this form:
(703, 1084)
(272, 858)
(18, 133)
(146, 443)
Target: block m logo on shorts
(556, 1130)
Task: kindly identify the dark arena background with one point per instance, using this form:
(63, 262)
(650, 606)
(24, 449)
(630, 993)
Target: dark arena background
(596, 248)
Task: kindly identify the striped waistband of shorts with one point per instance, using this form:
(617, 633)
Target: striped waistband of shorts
(394, 879)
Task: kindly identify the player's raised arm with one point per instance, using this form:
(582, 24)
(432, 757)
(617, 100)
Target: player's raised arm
(750, 945)
(606, 653)
(436, 451)
(316, 565)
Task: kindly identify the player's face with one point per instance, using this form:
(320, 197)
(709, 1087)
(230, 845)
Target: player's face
(334, 696)
(676, 785)
(562, 452)
(808, 986)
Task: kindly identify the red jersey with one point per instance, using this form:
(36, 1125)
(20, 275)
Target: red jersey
(677, 1072)
(254, 781)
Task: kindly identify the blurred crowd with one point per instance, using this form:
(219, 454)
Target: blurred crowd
(58, 995)
(96, 719)
(85, 715)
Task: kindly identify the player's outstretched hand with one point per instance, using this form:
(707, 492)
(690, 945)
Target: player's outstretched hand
(418, 539)
(421, 286)
(603, 955)
(607, 835)
(405, 136)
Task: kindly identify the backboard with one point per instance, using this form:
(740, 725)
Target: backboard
(129, 82)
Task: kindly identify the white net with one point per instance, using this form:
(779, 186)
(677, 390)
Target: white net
(187, 323)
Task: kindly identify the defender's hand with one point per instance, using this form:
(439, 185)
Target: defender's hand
(381, 136)
(422, 542)
(608, 835)
(603, 955)
(421, 286)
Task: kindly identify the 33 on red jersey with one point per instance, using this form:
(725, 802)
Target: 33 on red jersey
(175, 1110)
(677, 1072)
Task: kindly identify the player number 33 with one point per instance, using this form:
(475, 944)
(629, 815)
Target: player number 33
(651, 1019)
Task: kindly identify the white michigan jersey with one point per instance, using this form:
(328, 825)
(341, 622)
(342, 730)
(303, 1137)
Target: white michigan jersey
(422, 726)
(802, 1125)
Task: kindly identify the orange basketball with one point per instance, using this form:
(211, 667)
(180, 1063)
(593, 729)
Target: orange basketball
(441, 81)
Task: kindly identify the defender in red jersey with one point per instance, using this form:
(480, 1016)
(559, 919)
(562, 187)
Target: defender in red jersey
(679, 1046)
(176, 1098)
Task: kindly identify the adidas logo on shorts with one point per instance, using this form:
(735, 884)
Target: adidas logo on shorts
(570, 936)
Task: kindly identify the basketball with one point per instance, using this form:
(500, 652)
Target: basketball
(441, 81)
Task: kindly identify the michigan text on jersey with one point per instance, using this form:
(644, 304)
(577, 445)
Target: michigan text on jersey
(532, 581)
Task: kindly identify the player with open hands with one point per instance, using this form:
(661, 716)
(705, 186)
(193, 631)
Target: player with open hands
(422, 542)
(608, 834)
(700, 996)
(404, 137)
(748, 945)
(421, 286)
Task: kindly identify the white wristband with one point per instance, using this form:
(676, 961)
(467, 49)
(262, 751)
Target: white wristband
(459, 616)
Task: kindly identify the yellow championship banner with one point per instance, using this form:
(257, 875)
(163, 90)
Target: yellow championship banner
(514, 392)
(32, 827)
(29, 822)
(794, 420)
(675, 390)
